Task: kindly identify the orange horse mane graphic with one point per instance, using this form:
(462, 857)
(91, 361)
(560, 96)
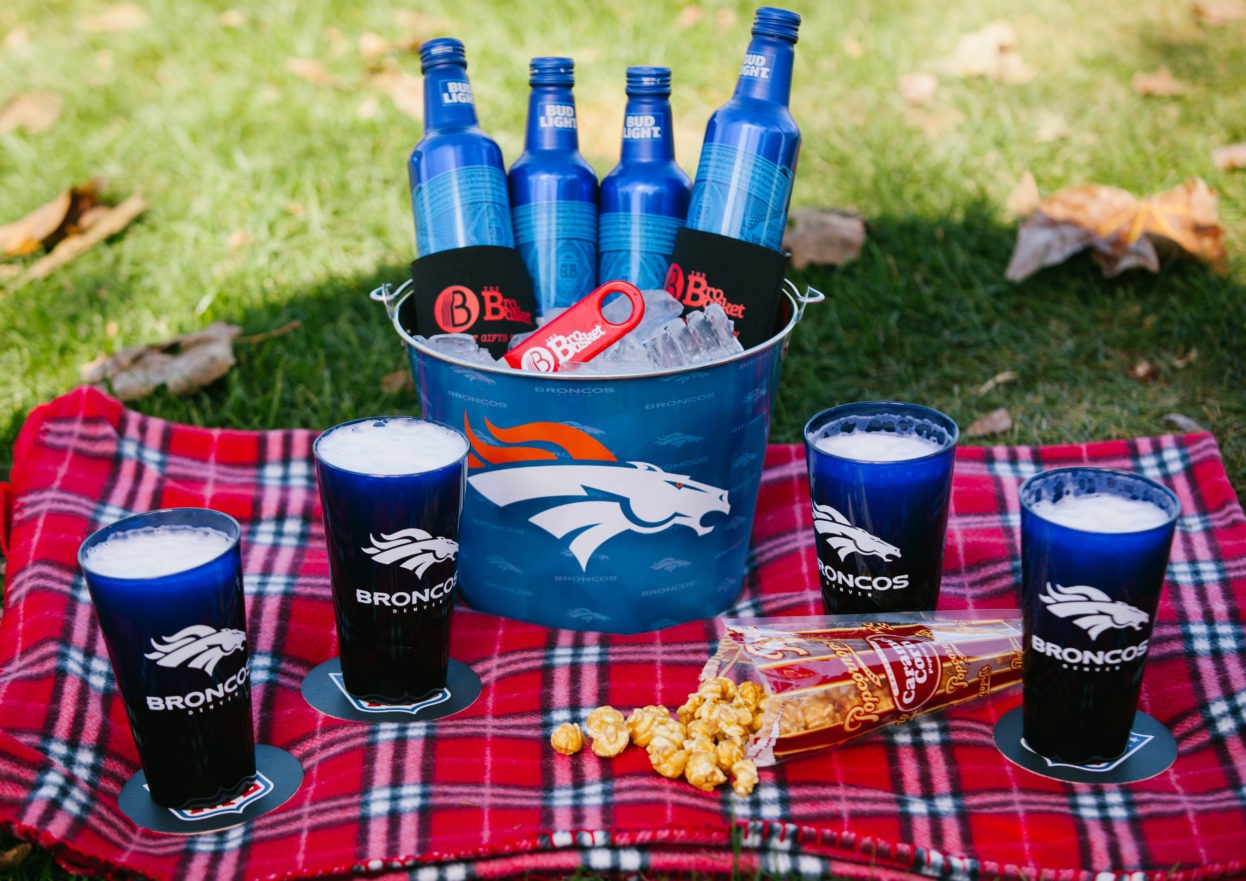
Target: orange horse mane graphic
(519, 444)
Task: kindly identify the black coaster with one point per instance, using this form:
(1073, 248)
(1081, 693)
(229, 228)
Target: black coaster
(278, 776)
(1151, 751)
(323, 689)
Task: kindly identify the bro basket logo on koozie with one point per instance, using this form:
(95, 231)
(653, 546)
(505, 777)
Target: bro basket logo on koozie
(592, 497)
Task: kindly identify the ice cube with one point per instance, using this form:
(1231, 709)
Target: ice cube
(460, 345)
(660, 307)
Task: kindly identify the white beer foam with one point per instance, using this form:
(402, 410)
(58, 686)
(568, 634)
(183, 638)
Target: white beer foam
(155, 551)
(877, 446)
(1101, 512)
(391, 446)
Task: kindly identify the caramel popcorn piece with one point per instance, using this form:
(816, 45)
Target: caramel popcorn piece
(642, 722)
(720, 688)
(700, 745)
(688, 709)
(749, 695)
(669, 763)
(700, 728)
(744, 776)
(728, 753)
(702, 771)
(567, 739)
(611, 739)
(601, 715)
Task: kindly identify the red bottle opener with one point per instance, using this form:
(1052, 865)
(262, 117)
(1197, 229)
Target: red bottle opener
(579, 334)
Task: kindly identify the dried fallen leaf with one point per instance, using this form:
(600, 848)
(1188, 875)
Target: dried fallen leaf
(1121, 230)
(1229, 158)
(688, 17)
(17, 39)
(404, 89)
(995, 422)
(825, 236)
(918, 88)
(372, 46)
(66, 215)
(1182, 422)
(310, 70)
(997, 379)
(1049, 126)
(1160, 83)
(33, 112)
(232, 18)
(1217, 13)
(27, 234)
(122, 17)
(990, 52)
(935, 121)
(14, 856)
(112, 222)
(183, 364)
(288, 327)
(398, 381)
(1024, 198)
(1183, 361)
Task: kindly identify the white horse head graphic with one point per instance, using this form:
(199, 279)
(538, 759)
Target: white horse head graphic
(599, 501)
(198, 646)
(849, 539)
(412, 549)
(1091, 609)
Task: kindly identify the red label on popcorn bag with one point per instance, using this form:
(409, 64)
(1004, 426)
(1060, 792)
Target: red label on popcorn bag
(912, 667)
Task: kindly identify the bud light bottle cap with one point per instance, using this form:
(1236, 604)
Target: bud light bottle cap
(648, 81)
(770, 21)
(552, 70)
(443, 50)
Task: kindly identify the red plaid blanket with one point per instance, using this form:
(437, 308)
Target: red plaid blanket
(482, 793)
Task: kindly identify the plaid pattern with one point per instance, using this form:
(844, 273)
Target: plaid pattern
(483, 795)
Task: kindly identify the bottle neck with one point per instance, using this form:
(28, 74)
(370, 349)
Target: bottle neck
(647, 135)
(551, 119)
(448, 101)
(766, 73)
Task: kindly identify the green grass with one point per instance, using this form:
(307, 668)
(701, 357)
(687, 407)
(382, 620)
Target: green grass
(273, 199)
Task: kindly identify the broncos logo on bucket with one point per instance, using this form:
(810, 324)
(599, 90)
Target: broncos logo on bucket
(592, 498)
(198, 646)
(1091, 609)
(412, 549)
(848, 539)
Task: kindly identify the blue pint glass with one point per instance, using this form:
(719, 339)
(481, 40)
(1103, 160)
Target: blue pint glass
(391, 489)
(167, 590)
(880, 481)
(1094, 550)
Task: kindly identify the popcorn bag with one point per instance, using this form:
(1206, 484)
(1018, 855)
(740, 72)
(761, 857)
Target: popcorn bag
(829, 679)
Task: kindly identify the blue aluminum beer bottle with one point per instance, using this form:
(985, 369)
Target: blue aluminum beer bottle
(743, 183)
(644, 199)
(458, 179)
(553, 192)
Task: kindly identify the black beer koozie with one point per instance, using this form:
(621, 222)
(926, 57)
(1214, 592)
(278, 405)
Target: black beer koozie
(484, 290)
(745, 279)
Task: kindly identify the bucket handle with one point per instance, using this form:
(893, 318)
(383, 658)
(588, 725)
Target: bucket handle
(811, 295)
(387, 295)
